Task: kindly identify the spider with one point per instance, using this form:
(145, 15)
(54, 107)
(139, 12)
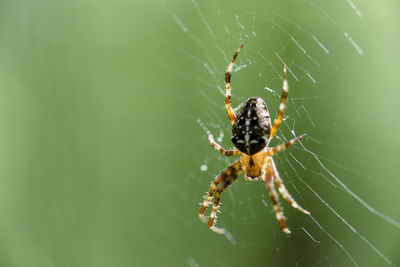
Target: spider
(251, 134)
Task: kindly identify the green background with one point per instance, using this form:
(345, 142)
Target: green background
(100, 152)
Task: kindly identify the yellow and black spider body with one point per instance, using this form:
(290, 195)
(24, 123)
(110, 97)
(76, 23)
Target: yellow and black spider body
(251, 133)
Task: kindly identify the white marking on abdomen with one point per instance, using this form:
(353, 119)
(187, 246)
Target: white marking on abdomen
(247, 138)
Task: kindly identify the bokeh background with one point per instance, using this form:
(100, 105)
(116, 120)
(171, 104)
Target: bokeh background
(102, 162)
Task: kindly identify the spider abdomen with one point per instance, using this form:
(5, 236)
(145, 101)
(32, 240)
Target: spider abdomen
(252, 127)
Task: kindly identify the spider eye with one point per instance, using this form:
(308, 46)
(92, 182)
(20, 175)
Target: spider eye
(251, 130)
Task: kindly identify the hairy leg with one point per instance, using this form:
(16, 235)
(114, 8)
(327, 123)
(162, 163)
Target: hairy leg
(278, 119)
(226, 176)
(226, 152)
(282, 189)
(229, 110)
(274, 150)
(273, 195)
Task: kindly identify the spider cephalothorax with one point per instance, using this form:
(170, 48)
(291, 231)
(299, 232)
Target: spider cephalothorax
(251, 134)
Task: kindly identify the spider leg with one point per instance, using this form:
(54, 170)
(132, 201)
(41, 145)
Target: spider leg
(221, 187)
(229, 110)
(278, 119)
(274, 150)
(230, 152)
(223, 180)
(273, 195)
(282, 189)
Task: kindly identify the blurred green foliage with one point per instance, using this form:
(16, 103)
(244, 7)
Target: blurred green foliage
(100, 151)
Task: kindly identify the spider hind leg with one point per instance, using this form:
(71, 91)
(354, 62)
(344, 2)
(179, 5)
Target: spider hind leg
(285, 91)
(228, 74)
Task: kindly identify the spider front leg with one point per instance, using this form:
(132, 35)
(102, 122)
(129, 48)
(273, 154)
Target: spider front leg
(273, 195)
(229, 110)
(270, 177)
(230, 152)
(285, 91)
(222, 181)
(282, 189)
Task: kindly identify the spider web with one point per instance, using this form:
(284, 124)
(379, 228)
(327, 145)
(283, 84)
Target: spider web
(317, 45)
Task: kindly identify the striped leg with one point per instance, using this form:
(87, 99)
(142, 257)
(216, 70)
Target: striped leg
(273, 195)
(231, 172)
(223, 151)
(229, 110)
(285, 91)
(282, 189)
(221, 187)
(274, 150)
